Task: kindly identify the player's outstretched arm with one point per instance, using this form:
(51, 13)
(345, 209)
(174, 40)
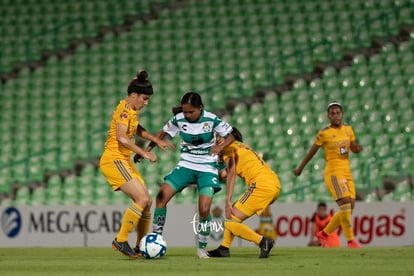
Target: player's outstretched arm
(162, 144)
(355, 147)
(121, 136)
(314, 149)
(231, 180)
(160, 135)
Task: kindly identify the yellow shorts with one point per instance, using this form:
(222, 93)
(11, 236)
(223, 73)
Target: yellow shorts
(118, 171)
(259, 195)
(340, 185)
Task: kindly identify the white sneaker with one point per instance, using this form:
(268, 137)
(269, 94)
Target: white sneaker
(202, 253)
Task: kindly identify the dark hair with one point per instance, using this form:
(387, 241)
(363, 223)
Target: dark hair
(140, 84)
(237, 135)
(322, 204)
(192, 98)
(176, 109)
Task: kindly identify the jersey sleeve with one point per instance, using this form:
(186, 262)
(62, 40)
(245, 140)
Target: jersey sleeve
(319, 139)
(171, 127)
(221, 127)
(122, 116)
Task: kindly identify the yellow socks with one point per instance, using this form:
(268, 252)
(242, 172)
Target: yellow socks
(143, 225)
(346, 211)
(333, 224)
(227, 237)
(129, 221)
(238, 229)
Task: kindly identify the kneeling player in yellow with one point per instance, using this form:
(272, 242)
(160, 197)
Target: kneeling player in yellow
(337, 140)
(117, 167)
(263, 189)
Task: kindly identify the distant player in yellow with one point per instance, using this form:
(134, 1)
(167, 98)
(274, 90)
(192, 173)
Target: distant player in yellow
(117, 167)
(337, 140)
(263, 189)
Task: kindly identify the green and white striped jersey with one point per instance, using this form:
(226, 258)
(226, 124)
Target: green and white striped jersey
(197, 139)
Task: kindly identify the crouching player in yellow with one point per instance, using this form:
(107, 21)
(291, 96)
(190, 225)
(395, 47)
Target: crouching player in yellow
(263, 189)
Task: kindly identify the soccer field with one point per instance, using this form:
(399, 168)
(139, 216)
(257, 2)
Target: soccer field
(182, 261)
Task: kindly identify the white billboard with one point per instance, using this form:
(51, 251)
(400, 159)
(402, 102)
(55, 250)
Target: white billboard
(375, 224)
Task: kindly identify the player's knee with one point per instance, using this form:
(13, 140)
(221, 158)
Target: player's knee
(143, 201)
(162, 198)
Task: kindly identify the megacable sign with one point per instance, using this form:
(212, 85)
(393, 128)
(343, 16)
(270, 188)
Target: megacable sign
(375, 224)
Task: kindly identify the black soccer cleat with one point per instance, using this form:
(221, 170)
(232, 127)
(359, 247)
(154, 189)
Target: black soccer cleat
(266, 244)
(220, 251)
(124, 248)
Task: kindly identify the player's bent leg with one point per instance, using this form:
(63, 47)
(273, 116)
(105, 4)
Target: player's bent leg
(239, 229)
(265, 244)
(246, 233)
(228, 236)
(163, 197)
(235, 226)
(229, 233)
(137, 192)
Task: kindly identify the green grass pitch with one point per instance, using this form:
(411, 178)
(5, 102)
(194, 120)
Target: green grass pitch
(182, 261)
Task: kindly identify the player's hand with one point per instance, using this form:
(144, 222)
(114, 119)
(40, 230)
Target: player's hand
(137, 158)
(356, 148)
(297, 171)
(150, 156)
(163, 145)
(228, 209)
(215, 150)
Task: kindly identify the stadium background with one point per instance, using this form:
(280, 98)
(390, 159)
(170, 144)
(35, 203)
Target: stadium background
(268, 67)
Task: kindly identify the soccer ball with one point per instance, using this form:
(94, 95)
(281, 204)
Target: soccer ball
(153, 246)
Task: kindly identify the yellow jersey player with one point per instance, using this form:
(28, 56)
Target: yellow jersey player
(263, 189)
(117, 167)
(337, 139)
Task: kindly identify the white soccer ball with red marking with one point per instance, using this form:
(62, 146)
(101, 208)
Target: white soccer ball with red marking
(153, 246)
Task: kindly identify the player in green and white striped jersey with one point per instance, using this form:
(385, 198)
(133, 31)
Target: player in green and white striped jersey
(198, 163)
